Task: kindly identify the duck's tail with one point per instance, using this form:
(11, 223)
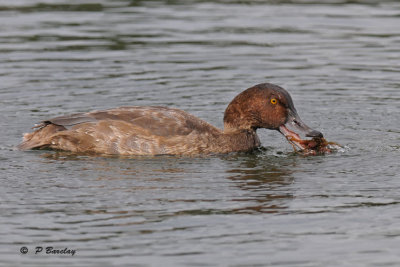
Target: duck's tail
(40, 138)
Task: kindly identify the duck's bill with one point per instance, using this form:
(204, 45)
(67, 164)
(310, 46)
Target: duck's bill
(295, 128)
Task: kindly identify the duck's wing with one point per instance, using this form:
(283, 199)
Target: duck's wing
(105, 129)
(68, 121)
(161, 121)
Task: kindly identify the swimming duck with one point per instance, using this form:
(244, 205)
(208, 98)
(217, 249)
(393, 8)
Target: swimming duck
(155, 130)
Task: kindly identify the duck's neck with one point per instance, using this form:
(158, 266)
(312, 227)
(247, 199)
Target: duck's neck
(234, 140)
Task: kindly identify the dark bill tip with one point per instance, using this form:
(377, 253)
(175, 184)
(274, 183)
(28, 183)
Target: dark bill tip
(314, 133)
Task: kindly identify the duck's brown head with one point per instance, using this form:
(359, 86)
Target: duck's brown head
(267, 106)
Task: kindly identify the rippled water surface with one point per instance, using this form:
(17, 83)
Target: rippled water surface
(340, 61)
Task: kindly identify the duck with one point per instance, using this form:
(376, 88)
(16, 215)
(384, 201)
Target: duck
(158, 130)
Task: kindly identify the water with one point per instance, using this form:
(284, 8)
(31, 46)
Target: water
(340, 61)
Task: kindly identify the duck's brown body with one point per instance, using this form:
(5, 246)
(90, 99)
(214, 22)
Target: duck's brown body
(160, 130)
(137, 131)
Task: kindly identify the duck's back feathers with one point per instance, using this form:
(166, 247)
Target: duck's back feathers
(124, 130)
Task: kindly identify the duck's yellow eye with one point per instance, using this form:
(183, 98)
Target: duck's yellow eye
(273, 101)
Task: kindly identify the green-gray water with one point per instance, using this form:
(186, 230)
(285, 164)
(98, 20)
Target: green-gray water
(340, 60)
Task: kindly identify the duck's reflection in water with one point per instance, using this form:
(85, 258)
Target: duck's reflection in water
(266, 182)
(162, 187)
